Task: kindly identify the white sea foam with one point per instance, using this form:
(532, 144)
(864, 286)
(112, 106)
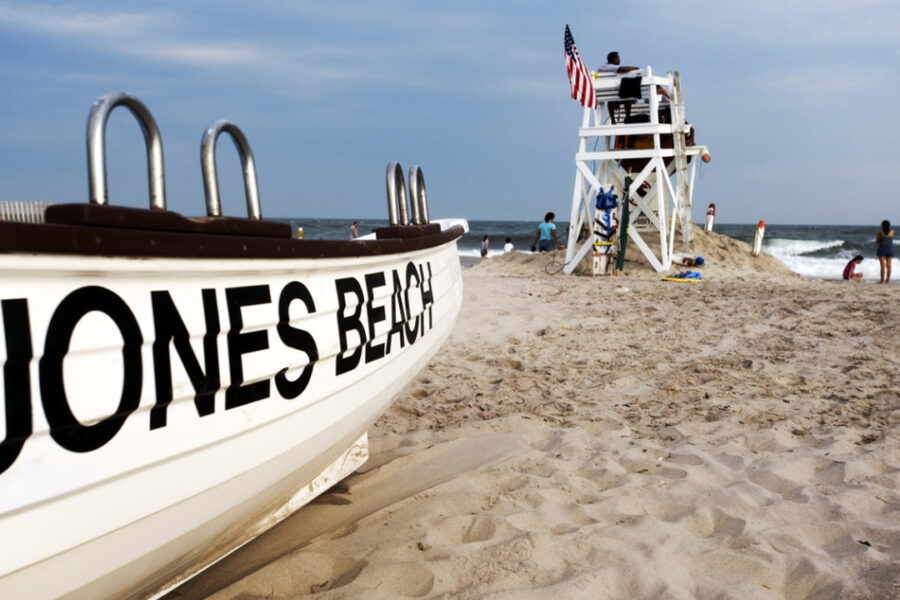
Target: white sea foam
(793, 253)
(829, 268)
(477, 253)
(787, 247)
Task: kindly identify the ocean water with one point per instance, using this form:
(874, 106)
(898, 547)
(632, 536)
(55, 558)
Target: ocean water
(813, 251)
(817, 251)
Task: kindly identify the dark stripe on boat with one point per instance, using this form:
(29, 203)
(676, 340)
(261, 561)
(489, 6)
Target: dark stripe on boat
(105, 230)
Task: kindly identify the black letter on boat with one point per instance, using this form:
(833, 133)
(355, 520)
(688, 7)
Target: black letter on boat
(244, 343)
(16, 380)
(375, 314)
(344, 286)
(170, 329)
(397, 309)
(412, 331)
(427, 295)
(64, 427)
(295, 338)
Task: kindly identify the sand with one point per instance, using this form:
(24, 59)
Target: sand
(620, 437)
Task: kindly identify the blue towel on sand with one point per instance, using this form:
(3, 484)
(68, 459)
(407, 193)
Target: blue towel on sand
(688, 275)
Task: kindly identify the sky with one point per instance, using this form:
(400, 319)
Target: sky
(795, 101)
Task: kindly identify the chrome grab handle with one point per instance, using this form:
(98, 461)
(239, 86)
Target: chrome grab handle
(396, 195)
(96, 148)
(417, 196)
(210, 177)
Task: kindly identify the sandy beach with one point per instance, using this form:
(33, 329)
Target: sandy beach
(620, 437)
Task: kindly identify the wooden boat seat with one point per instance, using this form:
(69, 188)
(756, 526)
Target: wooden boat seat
(406, 231)
(123, 217)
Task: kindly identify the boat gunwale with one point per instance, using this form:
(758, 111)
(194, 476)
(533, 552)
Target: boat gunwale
(84, 229)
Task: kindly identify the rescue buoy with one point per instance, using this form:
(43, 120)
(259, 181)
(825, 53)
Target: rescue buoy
(710, 216)
(758, 238)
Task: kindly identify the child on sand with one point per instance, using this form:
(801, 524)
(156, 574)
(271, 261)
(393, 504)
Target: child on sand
(850, 273)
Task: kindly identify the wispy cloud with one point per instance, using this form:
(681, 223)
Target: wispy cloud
(67, 21)
(415, 47)
(206, 55)
(143, 35)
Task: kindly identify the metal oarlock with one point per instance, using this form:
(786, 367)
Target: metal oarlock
(96, 148)
(396, 195)
(210, 177)
(417, 196)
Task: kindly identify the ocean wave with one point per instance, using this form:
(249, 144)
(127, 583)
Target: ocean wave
(829, 268)
(476, 253)
(792, 247)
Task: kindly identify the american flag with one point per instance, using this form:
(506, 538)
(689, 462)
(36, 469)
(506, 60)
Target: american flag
(579, 77)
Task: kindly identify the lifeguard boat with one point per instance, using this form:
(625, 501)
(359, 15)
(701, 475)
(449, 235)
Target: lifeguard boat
(174, 386)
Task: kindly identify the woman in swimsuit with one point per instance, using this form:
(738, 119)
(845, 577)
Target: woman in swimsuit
(885, 252)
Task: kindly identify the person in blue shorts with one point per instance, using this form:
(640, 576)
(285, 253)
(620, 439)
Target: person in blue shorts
(545, 238)
(885, 251)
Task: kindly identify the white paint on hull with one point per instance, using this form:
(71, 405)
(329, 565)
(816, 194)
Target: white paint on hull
(128, 517)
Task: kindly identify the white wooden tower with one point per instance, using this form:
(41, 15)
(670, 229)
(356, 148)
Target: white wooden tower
(608, 147)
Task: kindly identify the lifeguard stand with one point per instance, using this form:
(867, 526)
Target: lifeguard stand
(654, 151)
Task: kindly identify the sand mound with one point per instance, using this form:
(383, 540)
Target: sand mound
(724, 258)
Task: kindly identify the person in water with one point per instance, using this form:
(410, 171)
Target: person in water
(885, 252)
(850, 273)
(484, 247)
(545, 238)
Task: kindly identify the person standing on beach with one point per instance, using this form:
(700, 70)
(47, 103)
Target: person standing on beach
(850, 273)
(484, 247)
(354, 230)
(545, 238)
(508, 246)
(885, 251)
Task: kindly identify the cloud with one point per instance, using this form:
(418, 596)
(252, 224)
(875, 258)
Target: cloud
(63, 20)
(205, 55)
(139, 34)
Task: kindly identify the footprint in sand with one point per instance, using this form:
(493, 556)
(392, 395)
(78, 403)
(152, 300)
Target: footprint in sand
(710, 522)
(732, 461)
(410, 580)
(303, 573)
(651, 468)
(776, 484)
(829, 472)
(805, 580)
(506, 363)
(479, 530)
(455, 530)
(685, 459)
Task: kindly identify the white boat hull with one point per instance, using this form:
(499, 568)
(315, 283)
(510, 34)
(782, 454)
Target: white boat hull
(118, 491)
